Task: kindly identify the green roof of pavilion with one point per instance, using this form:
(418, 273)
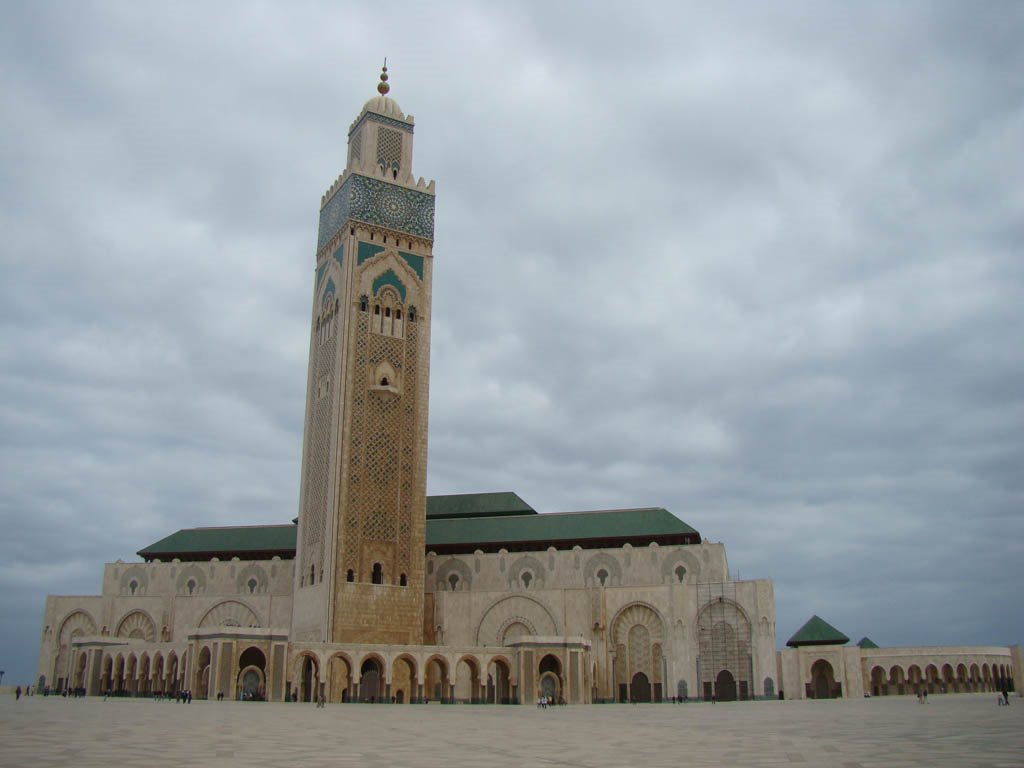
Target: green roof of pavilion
(867, 642)
(817, 631)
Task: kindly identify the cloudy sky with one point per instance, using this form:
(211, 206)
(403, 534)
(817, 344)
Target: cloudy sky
(760, 264)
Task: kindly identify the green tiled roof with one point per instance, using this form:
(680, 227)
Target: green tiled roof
(817, 631)
(457, 525)
(867, 642)
(477, 505)
(610, 527)
(204, 543)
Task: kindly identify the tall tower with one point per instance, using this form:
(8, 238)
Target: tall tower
(362, 506)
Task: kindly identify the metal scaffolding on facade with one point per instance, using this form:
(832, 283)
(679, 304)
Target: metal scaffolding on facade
(724, 663)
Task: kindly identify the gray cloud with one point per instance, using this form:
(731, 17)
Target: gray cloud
(756, 264)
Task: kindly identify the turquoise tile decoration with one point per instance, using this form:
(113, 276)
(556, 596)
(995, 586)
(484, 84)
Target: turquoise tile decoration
(369, 250)
(414, 261)
(328, 291)
(320, 273)
(388, 278)
(377, 202)
(339, 255)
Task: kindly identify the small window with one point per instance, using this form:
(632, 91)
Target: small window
(384, 381)
(312, 575)
(453, 580)
(134, 585)
(191, 586)
(398, 314)
(350, 575)
(526, 578)
(680, 572)
(403, 581)
(378, 574)
(252, 584)
(412, 314)
(387, 311)
(376, 309)
(602, 576)
(363, 304)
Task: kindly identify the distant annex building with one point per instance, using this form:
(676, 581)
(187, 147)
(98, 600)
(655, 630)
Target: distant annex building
(378, 593)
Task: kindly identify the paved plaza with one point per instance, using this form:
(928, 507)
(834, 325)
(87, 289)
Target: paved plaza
(961, 730)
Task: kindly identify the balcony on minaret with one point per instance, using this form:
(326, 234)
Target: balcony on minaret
(385, 383)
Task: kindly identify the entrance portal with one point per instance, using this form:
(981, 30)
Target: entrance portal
(725, 686)
(640, 688)
(823, 680)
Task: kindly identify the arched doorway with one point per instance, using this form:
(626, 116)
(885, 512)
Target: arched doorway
(467, 681)
(725, 641)
(550, 683)
(80, 670)
(931, 675)
(638, 632)
(896, 679)
(499, 689)
(683, 690)
(118, 684)
(725, 686)
(130, 673)
(947, 678)
(403, 680)
(143, 684)
(640, 688)
(339, 679)
(157, 685)
(914, 678)
(436, 687)
(252, 680)
(309, 679)
(202, 682)
(171, 673)
(823, 681)
(106, 677)
(371, 681)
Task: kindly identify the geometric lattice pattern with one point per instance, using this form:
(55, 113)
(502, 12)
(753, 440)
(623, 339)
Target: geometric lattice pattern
(377, 202)
(356, 148)
(382, 471)
(389, 148)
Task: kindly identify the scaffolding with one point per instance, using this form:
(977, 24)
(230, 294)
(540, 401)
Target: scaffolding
(724, 661)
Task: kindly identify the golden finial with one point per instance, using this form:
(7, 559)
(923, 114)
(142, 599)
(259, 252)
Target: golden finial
(382, 86)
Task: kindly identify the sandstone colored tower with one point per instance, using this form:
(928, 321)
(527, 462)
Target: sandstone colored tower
(362, 507)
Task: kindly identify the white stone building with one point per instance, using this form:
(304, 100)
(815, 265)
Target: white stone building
(379, 593)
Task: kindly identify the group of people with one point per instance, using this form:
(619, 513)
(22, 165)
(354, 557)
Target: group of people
(544, 701)
(17, 692)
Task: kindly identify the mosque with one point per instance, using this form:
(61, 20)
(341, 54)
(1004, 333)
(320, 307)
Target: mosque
(378, 593)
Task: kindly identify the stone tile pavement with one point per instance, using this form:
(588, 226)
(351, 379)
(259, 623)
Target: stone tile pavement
(956, 730)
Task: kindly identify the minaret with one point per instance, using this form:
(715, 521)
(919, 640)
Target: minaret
(362, 507)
